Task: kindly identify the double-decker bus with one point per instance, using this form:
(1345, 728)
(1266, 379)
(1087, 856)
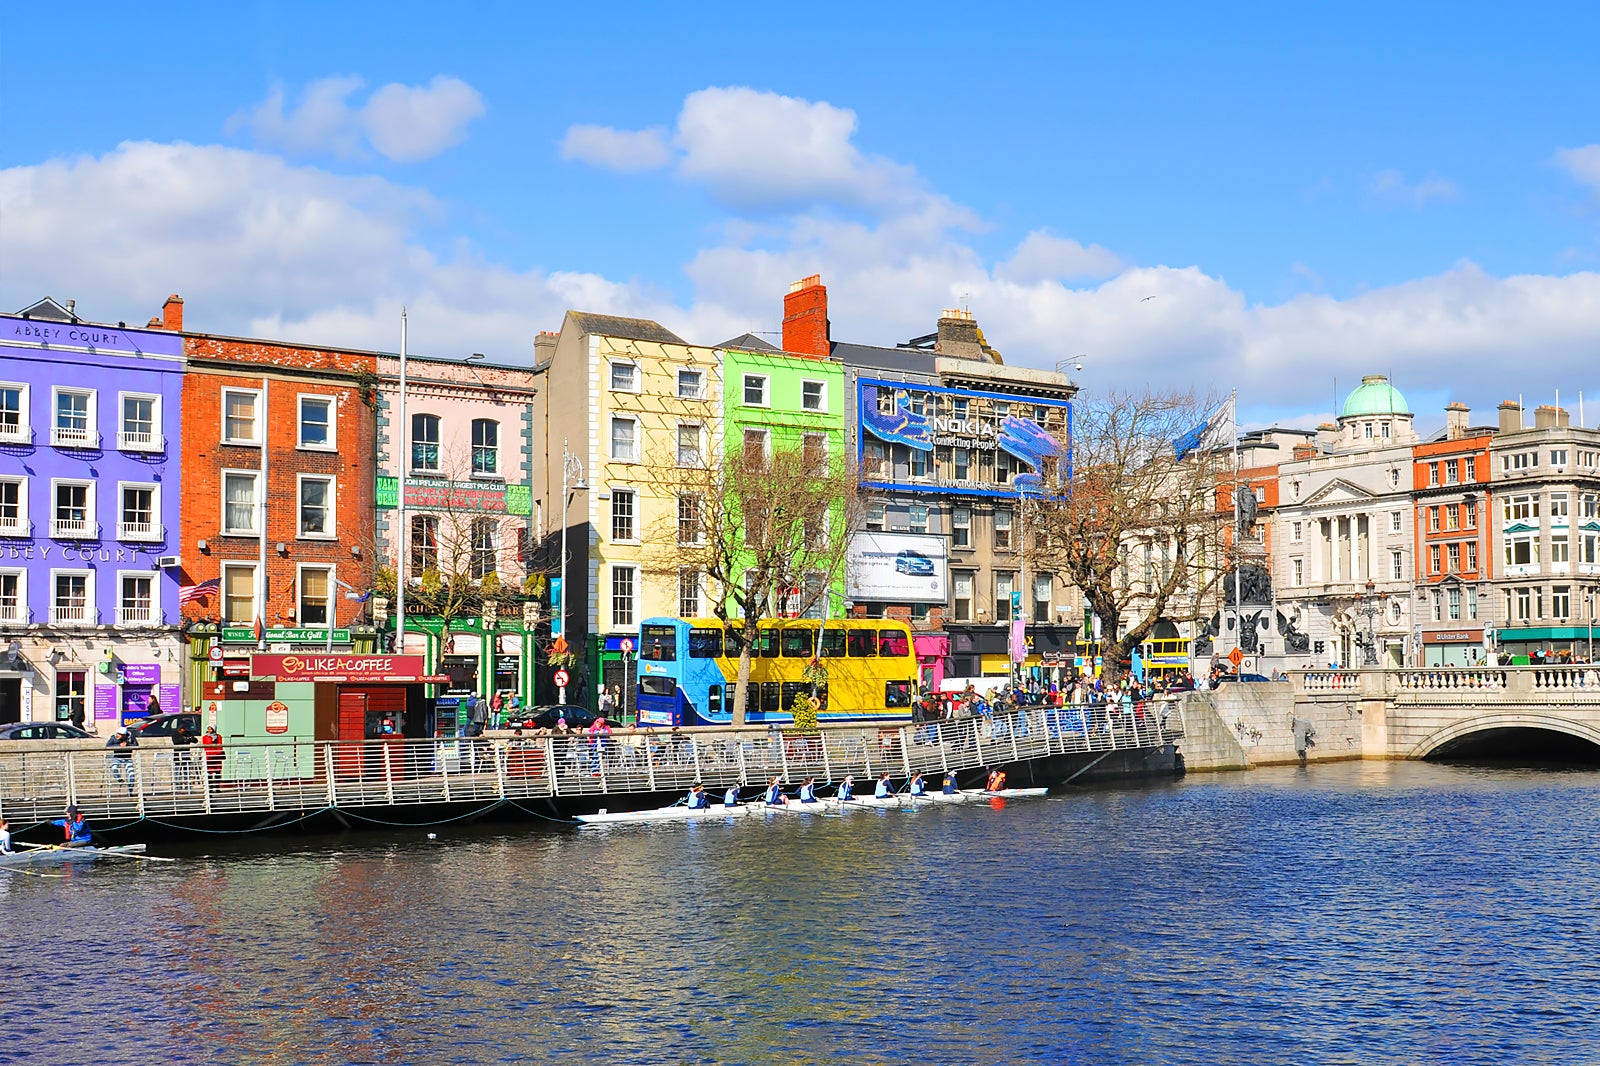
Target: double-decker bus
(689, 667)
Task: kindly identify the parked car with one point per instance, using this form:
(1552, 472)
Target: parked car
(546, 717)
(1243, 677)
(42, 731)
(914, 563)
(165, 725)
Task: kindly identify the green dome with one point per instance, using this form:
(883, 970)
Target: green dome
(1374, 396)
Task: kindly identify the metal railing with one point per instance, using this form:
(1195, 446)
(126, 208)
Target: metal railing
(162, 782)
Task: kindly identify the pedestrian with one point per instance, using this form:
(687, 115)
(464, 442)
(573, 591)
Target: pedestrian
(77, 717)
(211, 748)
(477, 715)
(182, 770)
(121, 746)
(608, 703)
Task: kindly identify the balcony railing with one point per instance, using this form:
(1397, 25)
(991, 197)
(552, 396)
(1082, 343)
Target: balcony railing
(66, 614)
(74, 529)
(138, 615)
(15, 527)
(74, 437)
(133, 440)
(14, 614)
(139, 531)
(15, 433)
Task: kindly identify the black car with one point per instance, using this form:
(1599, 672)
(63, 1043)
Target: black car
(1242, 677)
(546, 717)
(166, 725)
(42, 731)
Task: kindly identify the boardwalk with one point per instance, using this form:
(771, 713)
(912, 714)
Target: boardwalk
(165, 786)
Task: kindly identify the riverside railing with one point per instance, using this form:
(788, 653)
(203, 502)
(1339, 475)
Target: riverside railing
(37, 781)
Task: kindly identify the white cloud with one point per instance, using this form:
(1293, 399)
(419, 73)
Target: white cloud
(1043, 257)
(1582, 163)
(1391, 187)
(404, 123)
(614, 149)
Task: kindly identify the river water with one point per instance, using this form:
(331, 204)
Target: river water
(1358, 912)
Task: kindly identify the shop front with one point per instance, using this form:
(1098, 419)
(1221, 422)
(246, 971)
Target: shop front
(1453, 647)
(491, 660)
(614, 664)
(983, 651)
(1545, 644)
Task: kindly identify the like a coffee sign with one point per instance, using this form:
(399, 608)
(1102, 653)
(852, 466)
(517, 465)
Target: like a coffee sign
(343, 668)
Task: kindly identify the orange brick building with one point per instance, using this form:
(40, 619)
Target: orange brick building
(1454, 561)
(278, 462)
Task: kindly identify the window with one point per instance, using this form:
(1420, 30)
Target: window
(1005, 582)
(1558, 457)
(1383, 430)
(1521, 508)
(1299, 566)
(688, 444)
(961, 459)
(624, 376)
(1433, 473)
(72, 694)
(136, 517)
(72, 597)
(1522, 550)
(689, 606)
(918, 518)
(961, 583)
(958, 407)
(893, 643)
(918, 463)
(755, 445)
(316, 506)
(239, 501)
(1559, 548)
(424, 543)
(1538, 603)
(139, 428)
(876, 515)
(861, 643)
(691, 385)
(425, 443)
(1517, 462)
(1438, 605)
(814, 452)
(689, 529)
(74, 425)
(703, 643)
(1472, 603)
(73, 513)
(622, 593)
(1453, 604)
(961, 527)
(1002, 527)
(1472, 557)
(485, 447)
(484, 549)
(14, 596)
(1589, 548)
(1394, 521)
(1469, 515)
(1452, 516)
(1296, 531)
(1453, 558)
(1396, 573)
(1394, 477)
(1452, 472)
(1433, 559)
(14, 412)
(1559, 512)
(241, 418)
(314, 594)
(1589, 506)
(238, 593)
(814, 395)
(1042, 585)
(622, 514)
(14, 507)
(624, 440)
(1433, 519)
(1561, 602)
(316, 422)
(136, 604)
(755, 390)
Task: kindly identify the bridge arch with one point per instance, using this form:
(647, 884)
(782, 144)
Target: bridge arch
(1524, 722)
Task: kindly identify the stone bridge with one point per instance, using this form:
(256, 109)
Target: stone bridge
(1396, 714)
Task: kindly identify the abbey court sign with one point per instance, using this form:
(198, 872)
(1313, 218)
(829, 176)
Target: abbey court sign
(341, 668)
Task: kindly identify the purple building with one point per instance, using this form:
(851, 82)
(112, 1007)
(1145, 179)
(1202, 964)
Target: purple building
(89, 496)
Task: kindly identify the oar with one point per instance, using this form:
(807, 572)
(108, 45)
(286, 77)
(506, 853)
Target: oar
(97, 851)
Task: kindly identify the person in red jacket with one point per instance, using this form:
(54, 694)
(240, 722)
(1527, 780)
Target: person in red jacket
(211, 747)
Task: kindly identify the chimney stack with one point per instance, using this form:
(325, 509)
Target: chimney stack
(1547, 417)
(958, 335)
(1455, 420)
(544, 347)
(172, 313)
(805, 318)
(1510, 416)
(1304, 450)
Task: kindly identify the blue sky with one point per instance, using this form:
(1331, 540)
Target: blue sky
(1308, 195)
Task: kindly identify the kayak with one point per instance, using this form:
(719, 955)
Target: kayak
(56, 855)
(677, 813)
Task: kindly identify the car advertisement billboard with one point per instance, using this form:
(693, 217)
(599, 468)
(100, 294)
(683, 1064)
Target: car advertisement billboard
(902, 567)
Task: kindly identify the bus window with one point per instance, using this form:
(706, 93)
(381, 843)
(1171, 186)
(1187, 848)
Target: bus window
(897, 694)
(893, 642)
(705, 643)
(767, 644)
(833, 643)
(769, 696)
(659, 643)
(714, 699)
(657, 686)
(735, 643)
(863, 643)
(793, 690)
(822, 696)
(796, 642)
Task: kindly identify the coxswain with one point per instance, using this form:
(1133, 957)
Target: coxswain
(949, 787)
(847, 788)
(915, 785)
(997, 781)
(730, 798)
(775, 796)
(808, 791)
(884, 790)
(697, 799)
(75, 829)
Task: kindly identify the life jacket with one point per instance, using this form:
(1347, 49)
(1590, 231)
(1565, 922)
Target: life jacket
(774, 795)
(76, 832)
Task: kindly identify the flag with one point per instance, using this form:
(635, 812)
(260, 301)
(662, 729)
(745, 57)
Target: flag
(1217, 431)
(198, 593)
(1019, 640)
(260, 630)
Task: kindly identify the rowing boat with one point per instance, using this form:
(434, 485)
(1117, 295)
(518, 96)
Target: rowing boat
(978, 795)
(675, 813)
(54, 855)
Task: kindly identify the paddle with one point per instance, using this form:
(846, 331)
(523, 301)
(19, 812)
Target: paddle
(101, 852)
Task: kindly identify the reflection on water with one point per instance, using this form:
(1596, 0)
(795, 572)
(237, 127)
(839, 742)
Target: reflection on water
(1394, 912)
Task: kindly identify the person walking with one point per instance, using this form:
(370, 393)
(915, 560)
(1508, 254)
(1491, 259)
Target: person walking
(211, 749)
(121, 745)
(182, 768)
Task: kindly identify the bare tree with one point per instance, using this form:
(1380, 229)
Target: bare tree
(1136, 528)
(767, 535)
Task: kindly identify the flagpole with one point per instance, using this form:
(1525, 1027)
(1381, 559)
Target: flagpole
(261, 584)
(404, 432)
(1238, 549)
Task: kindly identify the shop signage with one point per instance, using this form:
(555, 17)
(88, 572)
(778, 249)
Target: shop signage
(141, 674)
(306, 666)
(105, 703)
(301, 635)
(277, 717)
(1452, 636)
(440, 494)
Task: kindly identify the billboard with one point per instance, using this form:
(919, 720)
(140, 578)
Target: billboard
(903, 567)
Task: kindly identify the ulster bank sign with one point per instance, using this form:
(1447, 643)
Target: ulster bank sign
(958, 440)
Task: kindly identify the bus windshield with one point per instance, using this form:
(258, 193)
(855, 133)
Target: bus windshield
(658, 643)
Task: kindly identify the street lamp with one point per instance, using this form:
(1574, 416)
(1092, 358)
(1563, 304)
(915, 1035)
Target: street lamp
(1370, 606)
(571, 478)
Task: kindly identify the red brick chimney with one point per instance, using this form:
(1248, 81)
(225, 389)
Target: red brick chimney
(172, 313)
(805, 317)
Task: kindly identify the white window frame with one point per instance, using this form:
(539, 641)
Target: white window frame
(123, 576)
(971, 599)
(299, 594)
(822, 399)
(300, 422)
(158, 439)
(92, 420)
(90, 508)
(23, 434)
(1396, 565)
(633, 519)
(632, 570)
(699, 518)
(411, 444)
(613, 364)
(255, 592)
(699, 583)
(810, 438)
(256, 509)
(957, 512)
(260, 417)
(88, 597)
(744, 390)
(699, 390)
(911, 518)
(699, 445)
(877, 519)
(611, 441)
(1010, 528)
(20, 615)
(1299, 567)
(299, 502)
(23, 526)
(1394, 521)
(1296, 532)
(157, 531)
(473, 447)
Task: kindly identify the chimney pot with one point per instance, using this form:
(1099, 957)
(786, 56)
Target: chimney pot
(1455, 420)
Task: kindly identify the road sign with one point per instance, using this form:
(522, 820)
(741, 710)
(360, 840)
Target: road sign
(562, 677)
(627, 645)
(215, 654)
(1236, 657)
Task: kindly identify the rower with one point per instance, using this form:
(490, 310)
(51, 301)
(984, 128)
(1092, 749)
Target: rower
(915, 786)
(75, 828)
(775, 796)
(808, 791)
(5, 837)
(949, 787)
(847, 788)
(997, 781)
(884, 790)
(697, 799)
(730, 798)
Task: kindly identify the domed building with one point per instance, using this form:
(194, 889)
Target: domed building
(1375, 414)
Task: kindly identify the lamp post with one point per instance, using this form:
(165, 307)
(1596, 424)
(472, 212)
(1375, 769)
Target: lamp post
(1370, 607)
(571, 478)
(1588, 610)
(400, 504)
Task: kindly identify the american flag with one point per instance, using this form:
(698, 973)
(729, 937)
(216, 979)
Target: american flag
(198, 593)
